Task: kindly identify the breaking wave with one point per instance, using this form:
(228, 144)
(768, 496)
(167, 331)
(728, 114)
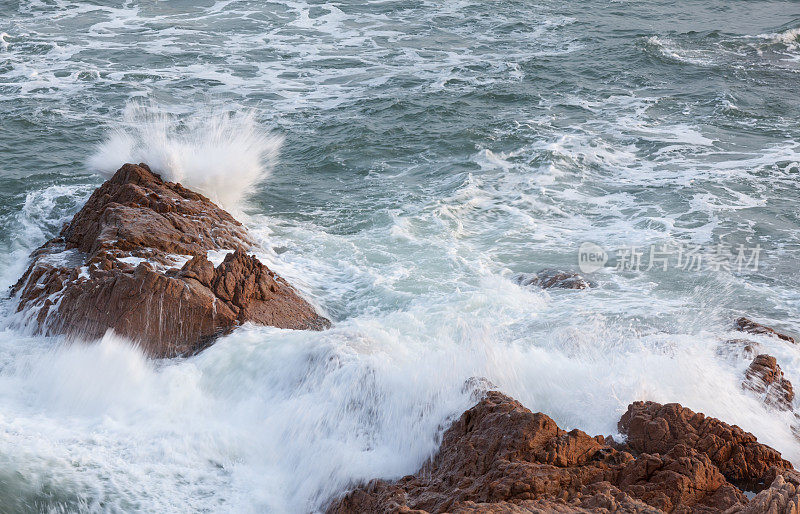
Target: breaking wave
(790, 38)
(224, 155)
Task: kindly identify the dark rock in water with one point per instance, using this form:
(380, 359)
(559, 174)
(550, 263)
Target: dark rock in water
(548, 278)
(765, 377)
(135, 259)
(501, 457)
(750, 326)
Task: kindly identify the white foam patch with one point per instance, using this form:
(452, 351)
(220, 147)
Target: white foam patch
(790, 37)
(133, 261)
(179, 260)
(281, 421)
(217, 256)
(222, 155)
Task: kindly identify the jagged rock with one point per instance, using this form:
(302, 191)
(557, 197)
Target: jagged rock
(135, 259)
(548, 278)
(765, 377)
(747, 325)
(656, 428)
(499, 457)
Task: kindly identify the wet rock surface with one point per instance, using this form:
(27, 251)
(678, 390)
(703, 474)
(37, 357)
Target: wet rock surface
(500, 457)
(765, 378)
(135, 259)
(656, 428)
(747, 325)
(549, 278)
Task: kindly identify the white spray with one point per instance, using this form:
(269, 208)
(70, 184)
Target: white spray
(220, 154)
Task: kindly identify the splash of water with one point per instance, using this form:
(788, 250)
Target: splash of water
(220, 154)
(789, 37)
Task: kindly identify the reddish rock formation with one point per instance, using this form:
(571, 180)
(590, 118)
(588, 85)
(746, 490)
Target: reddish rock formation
(751, 327)
(656, 428)
(135, 259)
(782, 497)
(548, 278)
(765, 378)
(501, 457)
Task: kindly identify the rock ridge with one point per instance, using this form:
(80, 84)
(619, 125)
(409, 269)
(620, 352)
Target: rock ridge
(500, 457)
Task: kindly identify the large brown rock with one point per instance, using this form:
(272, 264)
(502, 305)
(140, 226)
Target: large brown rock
(135, 259)
(655, 428)
(499, 457)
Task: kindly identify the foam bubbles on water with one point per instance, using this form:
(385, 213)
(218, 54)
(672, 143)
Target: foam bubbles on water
(790, 38)
(223, 155)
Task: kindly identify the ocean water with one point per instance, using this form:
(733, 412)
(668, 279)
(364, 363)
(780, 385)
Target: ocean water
(402, 161)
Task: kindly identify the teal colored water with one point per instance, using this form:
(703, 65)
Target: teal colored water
(431, 152)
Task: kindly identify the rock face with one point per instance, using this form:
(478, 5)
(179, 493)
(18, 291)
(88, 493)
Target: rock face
(751, 327)
(135, 259)
(501, 457)
(548, 278)
(765, 377)
(656, 428)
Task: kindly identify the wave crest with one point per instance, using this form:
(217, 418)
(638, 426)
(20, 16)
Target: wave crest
(223, 155)
(790, 38)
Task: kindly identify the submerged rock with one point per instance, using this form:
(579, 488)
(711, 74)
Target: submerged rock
(135, 259)
(738, 349)
(548, 278)
(501, 457)
(747, 325)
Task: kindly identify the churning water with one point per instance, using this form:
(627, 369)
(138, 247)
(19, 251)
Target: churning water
(401, 161)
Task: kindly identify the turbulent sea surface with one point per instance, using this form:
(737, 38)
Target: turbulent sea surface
(402, 161)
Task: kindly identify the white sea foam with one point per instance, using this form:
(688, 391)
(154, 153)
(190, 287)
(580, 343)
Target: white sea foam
(672, 50)
(222, 155)
(217, 256)
(280, 421)
(789, 40)
(790, 37)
